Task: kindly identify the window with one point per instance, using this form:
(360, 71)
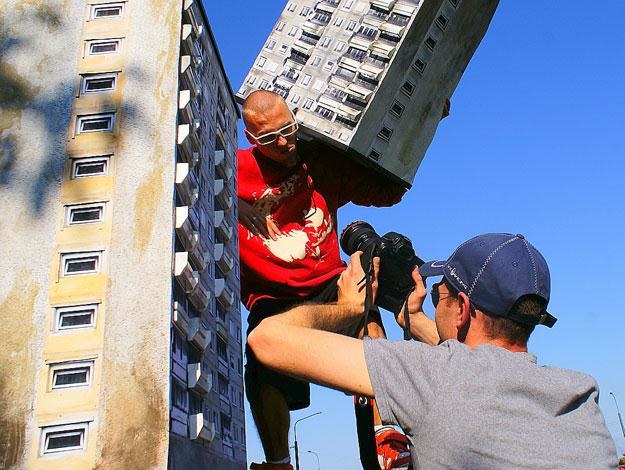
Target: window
(264, 84)
(316, 61)
(280, 26)
(80, 263)
(407, 88)
(348, 4)
(306, 79)
(105, 46)
(291, 7)
(283, 48)
(385, 133)
(328, 66)
(430, 42)
(308, 103)
(93, 166)
(374, 155)
(295, 98)
(107, 10)
(270, 44)
(305, 11)
(367, 31)
(325, 42)
(454, 3)
(339, 46)
(293, 31)
(75, 318)
(441, 21)
(419, 65)
(84, 214)
(65, 438)
(251, 79)
(95, 123)
(324, 112)
(71, 374)
(338, 21)
(351, 25)
(261, 61)
(94, 83)
(397, 109)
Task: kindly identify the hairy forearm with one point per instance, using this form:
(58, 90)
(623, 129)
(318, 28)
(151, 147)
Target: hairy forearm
(423, 328)
(327, 317)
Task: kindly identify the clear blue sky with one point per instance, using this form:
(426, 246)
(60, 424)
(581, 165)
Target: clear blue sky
(535, 144)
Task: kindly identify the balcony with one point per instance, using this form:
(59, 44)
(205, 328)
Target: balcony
(200, 297)
(200, 428)
(187, 107)
(222, 330)
(221, 194)
(224, 230)
(224, 260)
(180, 317)
(386, 5)
(221, 165)
(198, 336)
(187, 234)
(200, 257)
(297, 57)
(186, 70)
(186, 184)
(329, 6)
(189, 140)
(198, 379)
(184, 273)
(224, 294)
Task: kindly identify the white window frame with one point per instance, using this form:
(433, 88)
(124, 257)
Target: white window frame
(329, 65)
(64, 368)
(306, 80)
(106, 6)
(291, 7)
(304, 11)
(270, 45)
(339, 47)
(81, 429)
(338, 21)
(308, 103)
(74, 310)
(326, 41)
(261, 62)
(280, 26)
(106, 159)
(95, 42)
(316, 61)
(70, 209)
(351, 25)
(86, 78)
(66, 258)
(293, 31)
(81, 120)
(251, 80)
(348, 5)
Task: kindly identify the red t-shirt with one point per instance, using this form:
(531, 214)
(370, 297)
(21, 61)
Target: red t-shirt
(303, 202)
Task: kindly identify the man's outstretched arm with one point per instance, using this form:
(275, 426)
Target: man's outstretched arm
(300, 342)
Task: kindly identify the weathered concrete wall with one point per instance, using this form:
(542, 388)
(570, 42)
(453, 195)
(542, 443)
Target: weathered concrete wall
(134, 401)
(36, 85)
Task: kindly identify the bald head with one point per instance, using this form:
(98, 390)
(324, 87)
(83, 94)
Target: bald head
(260, 102)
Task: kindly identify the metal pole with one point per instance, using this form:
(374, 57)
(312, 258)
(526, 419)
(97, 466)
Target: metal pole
(316, 455)
(295, 434)
(618, 412)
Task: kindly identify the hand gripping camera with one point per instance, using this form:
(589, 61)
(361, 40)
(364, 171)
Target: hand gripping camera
(397, 261)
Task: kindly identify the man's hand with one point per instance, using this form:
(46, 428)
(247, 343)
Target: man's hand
(351, 284)
(256, 222)
(421, 327)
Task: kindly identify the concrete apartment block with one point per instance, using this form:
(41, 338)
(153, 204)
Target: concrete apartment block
(119, 287)
(371, 77)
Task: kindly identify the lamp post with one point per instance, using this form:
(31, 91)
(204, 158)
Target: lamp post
(618, 412)
(295, 434)
(316, 455)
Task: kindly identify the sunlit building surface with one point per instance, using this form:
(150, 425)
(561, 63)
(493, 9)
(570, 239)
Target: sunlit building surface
(119, 292)
(371, 76)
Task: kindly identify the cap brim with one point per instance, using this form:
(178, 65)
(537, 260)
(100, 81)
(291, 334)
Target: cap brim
(432, 268)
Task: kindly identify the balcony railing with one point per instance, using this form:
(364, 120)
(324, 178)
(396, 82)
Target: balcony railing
(198, 379)
(200, 428)
(184, 273)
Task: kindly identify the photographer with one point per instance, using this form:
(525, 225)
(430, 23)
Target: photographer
(478, 399)
(289, 193)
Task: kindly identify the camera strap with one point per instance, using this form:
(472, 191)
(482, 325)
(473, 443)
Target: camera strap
(368, 297)
(407, 334)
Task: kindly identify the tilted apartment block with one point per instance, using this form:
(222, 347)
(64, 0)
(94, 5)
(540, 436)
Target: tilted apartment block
(371, 77)
(119, 280)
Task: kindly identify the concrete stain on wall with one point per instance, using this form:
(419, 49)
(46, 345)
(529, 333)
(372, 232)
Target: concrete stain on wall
(148, 199)
(17, 371)
(136, 415)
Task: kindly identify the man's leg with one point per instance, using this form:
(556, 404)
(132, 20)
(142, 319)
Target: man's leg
(271, 416)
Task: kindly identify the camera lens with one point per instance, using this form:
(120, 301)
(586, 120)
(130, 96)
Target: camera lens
(358, 236)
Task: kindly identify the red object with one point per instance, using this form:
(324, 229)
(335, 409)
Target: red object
(393, 449)
(303, 201)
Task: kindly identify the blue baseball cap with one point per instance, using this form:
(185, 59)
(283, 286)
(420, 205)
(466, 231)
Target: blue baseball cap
(494, 270)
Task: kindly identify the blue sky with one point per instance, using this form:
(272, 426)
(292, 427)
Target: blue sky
(535, 144)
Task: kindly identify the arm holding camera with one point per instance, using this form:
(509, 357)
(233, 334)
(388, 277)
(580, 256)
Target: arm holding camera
(422, 327)
(300, 342)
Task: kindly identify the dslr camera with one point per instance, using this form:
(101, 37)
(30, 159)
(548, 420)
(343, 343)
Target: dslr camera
(397, 261)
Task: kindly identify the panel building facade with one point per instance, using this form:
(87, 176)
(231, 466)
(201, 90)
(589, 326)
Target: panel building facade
(119, 291)
(371, 77)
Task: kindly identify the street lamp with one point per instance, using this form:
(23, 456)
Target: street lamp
(316, 455)
(618, 412)
(295, 434)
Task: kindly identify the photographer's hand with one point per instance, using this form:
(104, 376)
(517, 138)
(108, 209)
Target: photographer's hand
(421, 326)
(258, 224)
(351, 284)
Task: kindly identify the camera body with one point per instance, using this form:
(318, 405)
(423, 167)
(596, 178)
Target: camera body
(397, 261)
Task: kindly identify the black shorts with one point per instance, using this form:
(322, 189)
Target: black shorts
(296, 392)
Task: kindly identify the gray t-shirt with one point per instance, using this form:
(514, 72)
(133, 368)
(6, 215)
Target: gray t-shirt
(488, 408)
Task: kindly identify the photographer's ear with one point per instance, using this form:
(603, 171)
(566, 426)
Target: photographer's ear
(464, 309)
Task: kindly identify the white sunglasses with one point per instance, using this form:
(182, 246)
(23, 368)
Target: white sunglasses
(270, 137)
